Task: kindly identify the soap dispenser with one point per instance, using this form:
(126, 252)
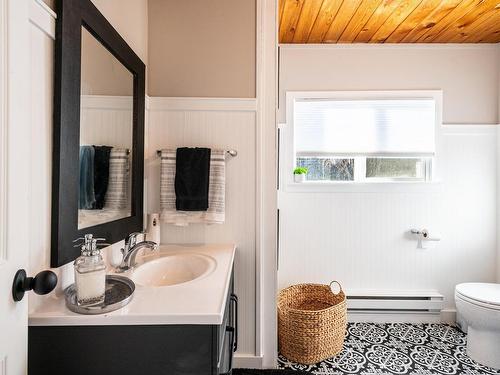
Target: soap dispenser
(90, 273)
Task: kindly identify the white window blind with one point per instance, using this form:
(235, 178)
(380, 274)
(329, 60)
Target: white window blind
(404, 127)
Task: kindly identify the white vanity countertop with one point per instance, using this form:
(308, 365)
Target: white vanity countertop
(200, 301)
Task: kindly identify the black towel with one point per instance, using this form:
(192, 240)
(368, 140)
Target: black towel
(101, 174)
(192, 175)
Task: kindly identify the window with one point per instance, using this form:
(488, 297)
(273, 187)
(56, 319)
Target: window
(365, 136)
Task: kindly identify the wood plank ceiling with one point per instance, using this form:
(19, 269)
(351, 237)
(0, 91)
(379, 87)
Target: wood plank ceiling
(389, 21)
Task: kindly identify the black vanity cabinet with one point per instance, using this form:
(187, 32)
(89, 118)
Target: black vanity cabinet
(136, 349)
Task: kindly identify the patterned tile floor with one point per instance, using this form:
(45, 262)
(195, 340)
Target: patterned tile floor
(398, 348)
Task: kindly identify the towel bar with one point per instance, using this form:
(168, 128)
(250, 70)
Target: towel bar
(230, 152)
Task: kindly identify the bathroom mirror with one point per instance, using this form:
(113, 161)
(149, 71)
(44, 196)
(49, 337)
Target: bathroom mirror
(107, 88)
(98, 159)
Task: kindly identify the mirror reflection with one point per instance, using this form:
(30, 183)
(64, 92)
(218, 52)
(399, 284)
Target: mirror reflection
(106, 130)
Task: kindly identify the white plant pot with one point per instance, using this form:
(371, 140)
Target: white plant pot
(299, 177)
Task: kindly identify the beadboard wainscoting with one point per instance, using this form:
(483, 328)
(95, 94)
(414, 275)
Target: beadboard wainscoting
(106, 120)
(215, 123)
(361, 239)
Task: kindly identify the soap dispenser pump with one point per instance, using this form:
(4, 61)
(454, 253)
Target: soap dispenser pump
(90, 273)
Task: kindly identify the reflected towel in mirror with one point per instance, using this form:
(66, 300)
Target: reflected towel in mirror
(101, 174)
(117, 193)
(86, 198)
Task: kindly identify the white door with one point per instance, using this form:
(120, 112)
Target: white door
(14, 179)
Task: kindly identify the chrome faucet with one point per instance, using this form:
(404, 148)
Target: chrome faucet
(131, 249)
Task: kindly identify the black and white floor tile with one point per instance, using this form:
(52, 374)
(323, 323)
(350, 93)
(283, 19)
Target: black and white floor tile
(398, 348)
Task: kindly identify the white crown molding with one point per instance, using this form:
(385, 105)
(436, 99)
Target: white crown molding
(390, 46)
(43, 18)
(154, 103)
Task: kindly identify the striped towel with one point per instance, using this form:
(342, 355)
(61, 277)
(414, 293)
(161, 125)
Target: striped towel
(216, 192)
(117, 193)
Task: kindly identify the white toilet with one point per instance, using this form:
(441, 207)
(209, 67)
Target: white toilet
(478, 314)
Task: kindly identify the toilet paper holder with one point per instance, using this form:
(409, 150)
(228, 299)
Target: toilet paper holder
(423, 235)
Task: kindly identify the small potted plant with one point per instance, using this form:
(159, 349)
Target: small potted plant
(299, 174)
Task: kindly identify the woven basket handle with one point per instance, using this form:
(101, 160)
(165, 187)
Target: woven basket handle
(340, 287)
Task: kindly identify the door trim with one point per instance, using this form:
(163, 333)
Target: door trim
(3, 366)
(4, 103)
(266, 209)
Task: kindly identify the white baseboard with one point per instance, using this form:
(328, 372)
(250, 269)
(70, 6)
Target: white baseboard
(247, 361)
(393, 317)
(449, 316)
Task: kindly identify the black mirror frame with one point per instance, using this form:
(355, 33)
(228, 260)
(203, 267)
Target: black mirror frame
(71, 16)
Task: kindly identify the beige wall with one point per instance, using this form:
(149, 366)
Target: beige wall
(467, 74)
(202, 48)
(102, 73)
(129, 18)
(195, 48)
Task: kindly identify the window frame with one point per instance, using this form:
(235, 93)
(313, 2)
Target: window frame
(288, 154)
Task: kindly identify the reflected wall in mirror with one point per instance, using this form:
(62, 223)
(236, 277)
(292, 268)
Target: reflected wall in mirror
(106, 130)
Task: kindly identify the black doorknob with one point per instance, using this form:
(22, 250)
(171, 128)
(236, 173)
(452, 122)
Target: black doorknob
(44, 282)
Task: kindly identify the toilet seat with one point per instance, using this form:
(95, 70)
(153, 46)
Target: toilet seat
(482, 294)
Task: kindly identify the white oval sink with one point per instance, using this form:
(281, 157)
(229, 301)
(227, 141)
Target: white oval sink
(173, 269)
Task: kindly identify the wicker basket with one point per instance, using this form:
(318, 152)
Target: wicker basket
(311, 322)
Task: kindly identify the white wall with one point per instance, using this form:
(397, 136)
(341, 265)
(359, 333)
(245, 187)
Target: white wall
(467, 74)
(232, 126)
(359, 238)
